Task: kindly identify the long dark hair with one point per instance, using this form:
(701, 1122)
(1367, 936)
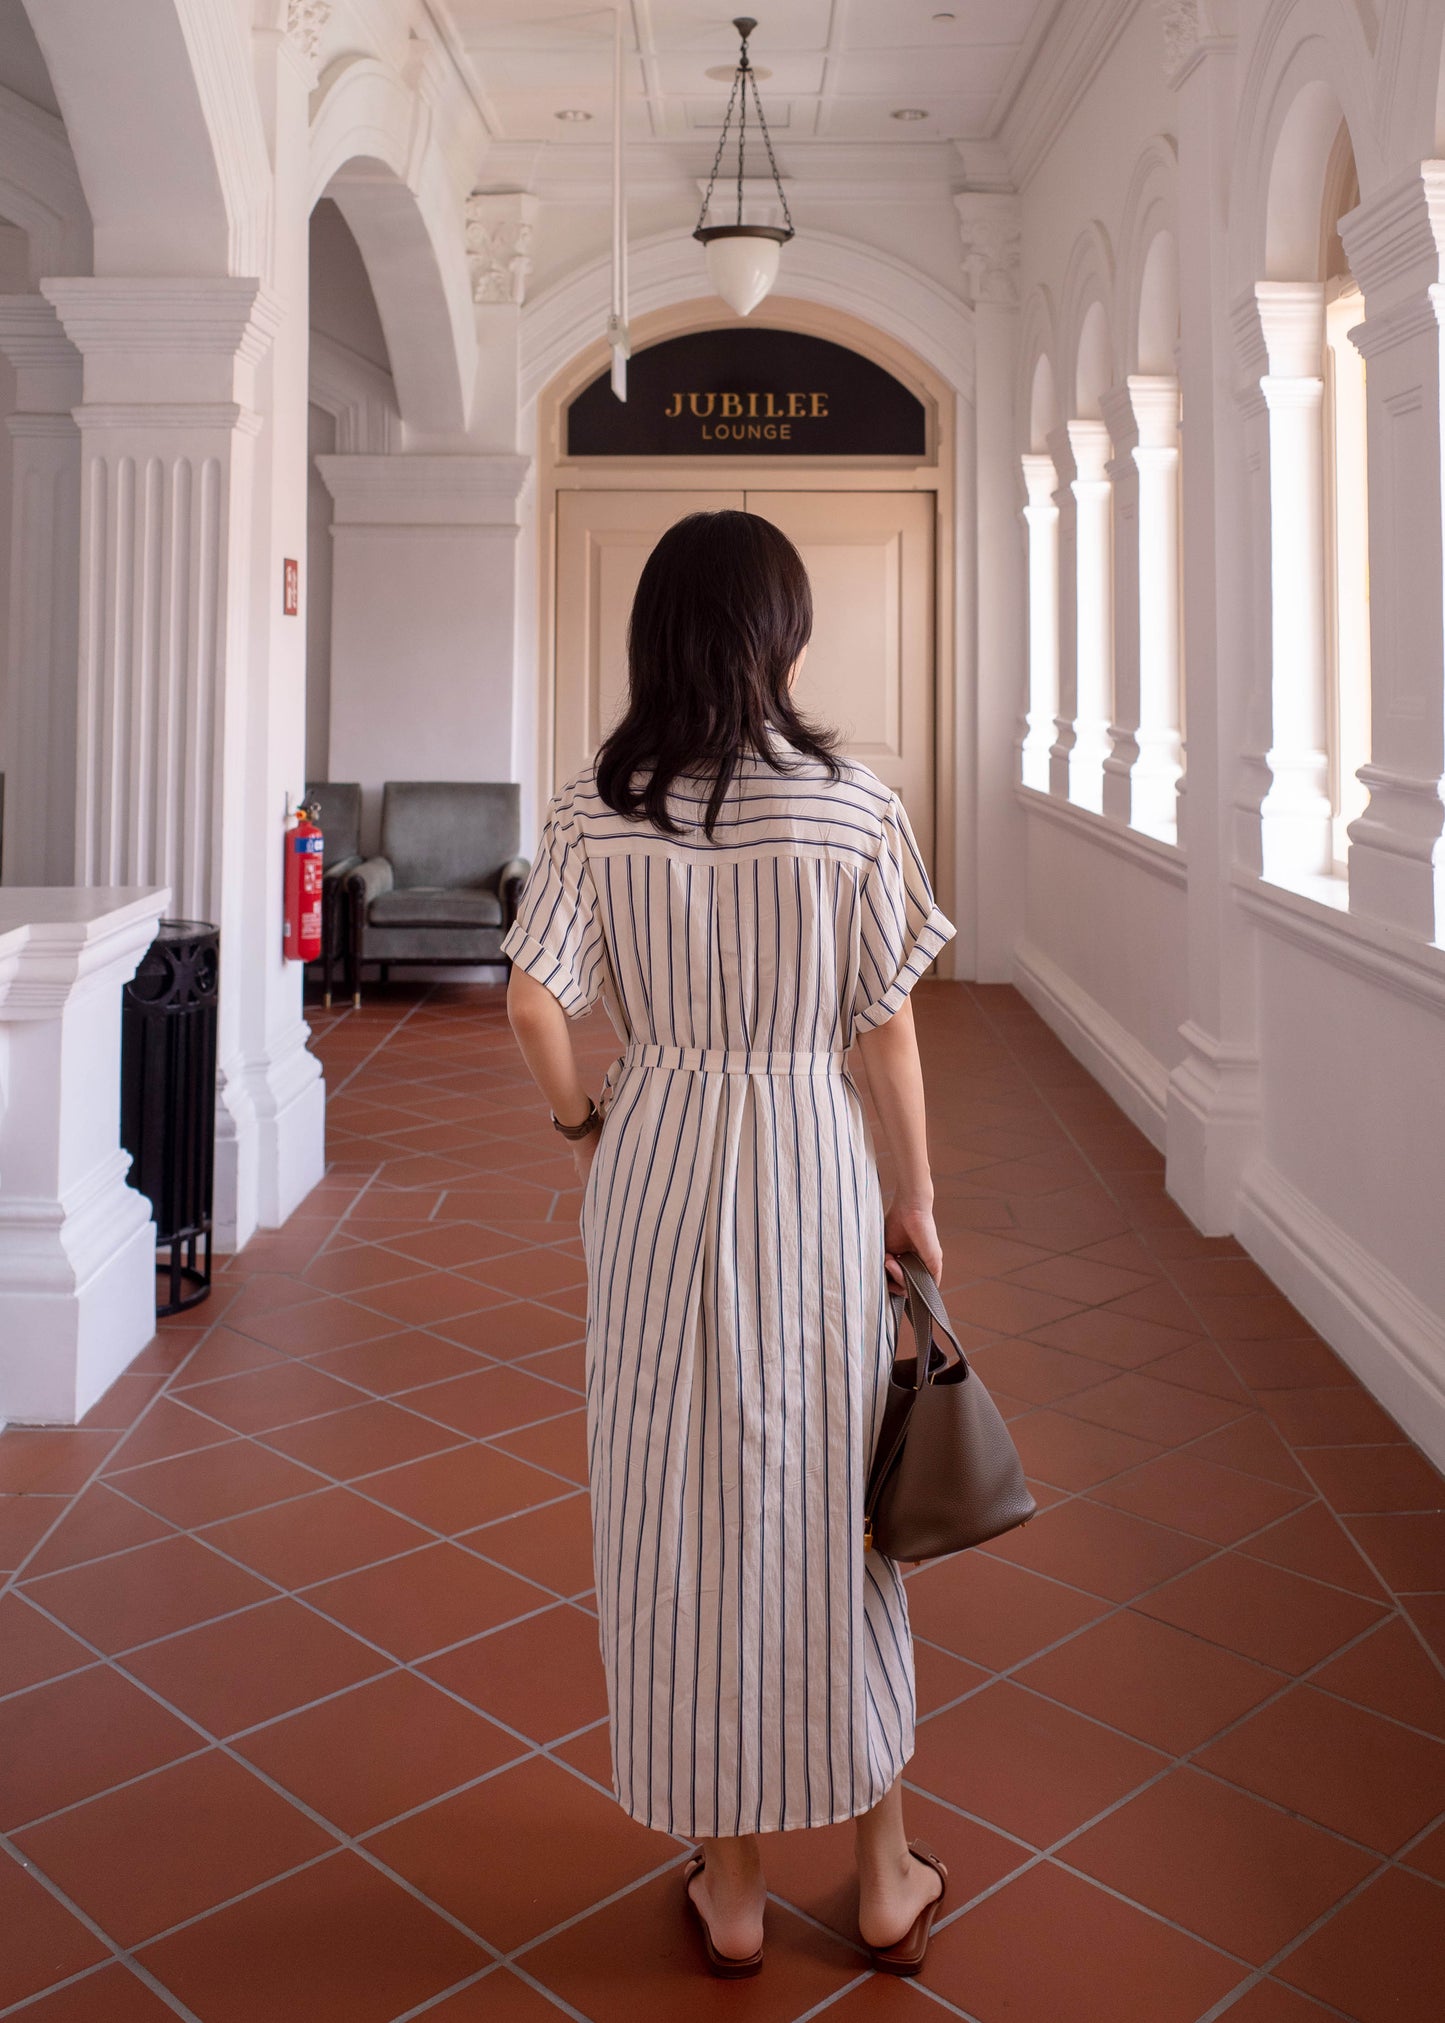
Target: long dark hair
(722, 611)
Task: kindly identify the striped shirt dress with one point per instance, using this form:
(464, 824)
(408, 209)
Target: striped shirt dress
(758, 1660)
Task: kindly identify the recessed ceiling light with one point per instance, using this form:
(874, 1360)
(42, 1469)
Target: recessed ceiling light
(908, 112)
(945, 17)
(574, 115)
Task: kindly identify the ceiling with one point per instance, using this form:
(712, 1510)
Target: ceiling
(839, 69)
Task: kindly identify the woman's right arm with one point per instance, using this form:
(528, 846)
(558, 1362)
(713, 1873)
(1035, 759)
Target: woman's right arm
(895, 1082)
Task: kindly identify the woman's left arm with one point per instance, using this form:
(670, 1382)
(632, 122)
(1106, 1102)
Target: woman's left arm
(541, 1028)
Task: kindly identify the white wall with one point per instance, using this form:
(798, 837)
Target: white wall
(1303, 1101)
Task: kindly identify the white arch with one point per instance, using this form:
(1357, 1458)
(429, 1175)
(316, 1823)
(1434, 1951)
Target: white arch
(1036, 399)
(1312, 66)
(409, 225)
(40, 188)
(1146, 293)
(836, 273)
(160, 107)
(1087, 365)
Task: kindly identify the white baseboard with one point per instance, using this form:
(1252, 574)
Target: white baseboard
(1392, 1341)
(1138, 1082)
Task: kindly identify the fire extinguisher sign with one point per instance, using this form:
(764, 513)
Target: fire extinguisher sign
(301, 914)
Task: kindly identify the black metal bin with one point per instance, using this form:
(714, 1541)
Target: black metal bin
(168, 1101)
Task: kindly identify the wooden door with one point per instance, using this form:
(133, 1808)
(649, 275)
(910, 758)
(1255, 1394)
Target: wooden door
(603, 539)
(870, 667)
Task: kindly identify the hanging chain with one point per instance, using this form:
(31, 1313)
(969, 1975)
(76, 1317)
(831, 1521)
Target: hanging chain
(717, 158)
(738, 96)
(772, 164)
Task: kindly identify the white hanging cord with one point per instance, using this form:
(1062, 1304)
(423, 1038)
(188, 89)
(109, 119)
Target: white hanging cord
(617, 332)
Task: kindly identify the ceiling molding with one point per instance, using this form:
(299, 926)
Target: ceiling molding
(815, 172)
(1064, 65)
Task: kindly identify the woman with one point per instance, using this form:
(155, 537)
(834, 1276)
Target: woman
(749, 906)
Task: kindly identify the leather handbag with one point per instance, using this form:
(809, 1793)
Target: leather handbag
(946, 1473)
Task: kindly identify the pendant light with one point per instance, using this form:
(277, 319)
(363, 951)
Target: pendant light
(742, 260)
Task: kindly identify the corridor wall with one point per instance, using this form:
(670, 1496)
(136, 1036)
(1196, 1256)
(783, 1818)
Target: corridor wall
(1271, 1015)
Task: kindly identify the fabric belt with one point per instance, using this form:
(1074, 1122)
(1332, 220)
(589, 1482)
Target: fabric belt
(738, 1060)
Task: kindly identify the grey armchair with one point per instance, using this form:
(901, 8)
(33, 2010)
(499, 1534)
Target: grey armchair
(445, 884)
(339, 803)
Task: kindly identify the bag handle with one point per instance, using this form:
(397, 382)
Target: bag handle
(926, 1313)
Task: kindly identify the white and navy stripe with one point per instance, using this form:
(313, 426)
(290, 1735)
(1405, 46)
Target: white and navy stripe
(758, 1662)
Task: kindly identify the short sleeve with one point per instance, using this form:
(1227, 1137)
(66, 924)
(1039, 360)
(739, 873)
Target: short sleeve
(901, 928)
(557, 934)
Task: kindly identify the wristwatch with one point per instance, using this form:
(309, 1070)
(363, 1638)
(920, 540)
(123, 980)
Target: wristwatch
(589, 1123)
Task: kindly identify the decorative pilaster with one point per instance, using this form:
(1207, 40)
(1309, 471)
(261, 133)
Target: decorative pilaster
(989, 228)
(77, 1245)
(168, 426)
(1396, 248)
(1041, 516)
(1061, 455)
(1094, 544)
(499, 239)
(37, 709)
(1295, 817)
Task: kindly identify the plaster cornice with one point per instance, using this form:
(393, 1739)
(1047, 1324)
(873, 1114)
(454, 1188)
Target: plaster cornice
(1074, 47)
(419, 490)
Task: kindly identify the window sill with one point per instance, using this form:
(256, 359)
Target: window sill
(1151, 853)
(1315, 915)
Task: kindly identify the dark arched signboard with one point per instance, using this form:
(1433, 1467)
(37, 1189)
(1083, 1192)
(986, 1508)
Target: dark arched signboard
(739, 392)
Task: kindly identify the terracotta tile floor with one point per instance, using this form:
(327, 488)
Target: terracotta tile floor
(301, 1718)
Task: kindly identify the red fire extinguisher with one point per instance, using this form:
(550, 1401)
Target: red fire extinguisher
(301, 935)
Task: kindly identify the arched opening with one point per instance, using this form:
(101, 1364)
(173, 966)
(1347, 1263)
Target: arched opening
(1043, 406)
(44, 230)
(1094, 363)
(1158, 332)
(352, 410)
(1347, 524)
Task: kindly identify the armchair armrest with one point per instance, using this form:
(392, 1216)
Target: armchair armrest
(368, 881)
(510, 880)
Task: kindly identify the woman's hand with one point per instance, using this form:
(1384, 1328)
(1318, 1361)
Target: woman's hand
(909, 1225)
(584, 1151)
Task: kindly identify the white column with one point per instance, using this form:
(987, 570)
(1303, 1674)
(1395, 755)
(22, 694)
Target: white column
(1094, 605)
(989, 226)
(1123, 474)
(423, 577)
(1295, 816)
(1396, 247)
(168, 426)
(281, 1078)
(1213, 1108)
(77, 1246)
(1061, 455)
(1041, 516)
(37, 712)
(1158, 764)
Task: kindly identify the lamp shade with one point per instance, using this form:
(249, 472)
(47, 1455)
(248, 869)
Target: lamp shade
(742, 262)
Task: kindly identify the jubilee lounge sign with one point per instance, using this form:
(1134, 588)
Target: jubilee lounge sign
(749, 392)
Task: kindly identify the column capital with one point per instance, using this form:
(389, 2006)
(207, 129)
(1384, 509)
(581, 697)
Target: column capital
(499, 230)
(1154, 402)
(1041, 478)
(426, 491)
(1292, 324)
(990, 223)
(1092, 446)
(166, 341)
(1190, 27)
(47, 364)
(1396, 241)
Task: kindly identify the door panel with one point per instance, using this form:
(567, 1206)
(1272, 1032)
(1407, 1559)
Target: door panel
(603, 539)
(869, 669)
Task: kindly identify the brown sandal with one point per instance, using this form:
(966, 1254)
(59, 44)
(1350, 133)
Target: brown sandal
(908, 1955)
(727, 1966)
